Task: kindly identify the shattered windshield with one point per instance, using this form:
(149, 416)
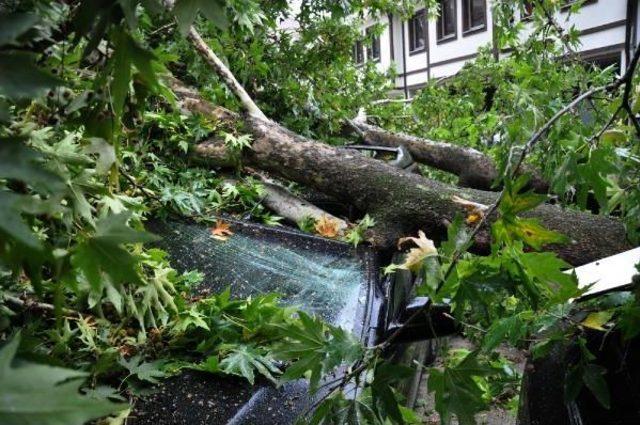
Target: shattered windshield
(321, 277)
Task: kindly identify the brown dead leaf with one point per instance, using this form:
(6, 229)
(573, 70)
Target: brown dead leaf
(327, 227)
(221, 231)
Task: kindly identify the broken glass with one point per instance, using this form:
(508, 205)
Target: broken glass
(318, 276)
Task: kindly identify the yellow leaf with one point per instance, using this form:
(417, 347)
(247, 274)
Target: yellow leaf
(416, 256)
(597, 320)
(473, 218)
(327, 227)
(475, 211)
(221, 231)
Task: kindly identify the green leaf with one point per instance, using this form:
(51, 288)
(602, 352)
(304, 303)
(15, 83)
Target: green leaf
(121, 72)
(457, 234)
(45, 395)
(103, 253)
(106, 154)
(13, 25)
(186, 12)
(594, 174)
(614, 137)
(317, 349)
(20, 162)
(128, 53)
(597, 320)
(509, 229)
(573, 382)
(509, 328)
(5, 114)
(514, 202)
(244, 359)
(129, 10)
(20, 78)
(548, 268)
(457, 392)
(11, 222)
(144, 371)
(382, 391)
(593, 378)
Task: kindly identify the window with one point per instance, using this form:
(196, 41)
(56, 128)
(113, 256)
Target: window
(474, 15)
(604, 61)
(358, 53)
(527, 9)
(446, 25)
(373, 45)
(569, 3)
(417, 32)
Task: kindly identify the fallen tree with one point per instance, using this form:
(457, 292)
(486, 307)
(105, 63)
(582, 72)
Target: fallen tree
(399, 201)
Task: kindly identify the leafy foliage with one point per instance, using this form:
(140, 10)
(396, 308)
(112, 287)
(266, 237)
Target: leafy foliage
(92, 144)
(34, 393)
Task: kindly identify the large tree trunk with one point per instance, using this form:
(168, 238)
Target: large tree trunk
(473, 168)
(399, 201)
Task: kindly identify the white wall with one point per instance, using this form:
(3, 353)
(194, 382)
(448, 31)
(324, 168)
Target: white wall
(442, 57)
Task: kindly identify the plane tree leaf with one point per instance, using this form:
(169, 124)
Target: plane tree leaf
(36, 394)
(13, 25)
(456, 390)
(243, 359)
(315, 348)
(144, 371)
(186, 12)
(104, 253)
(20, 78)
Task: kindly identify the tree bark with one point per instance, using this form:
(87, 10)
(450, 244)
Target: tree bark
(473, 168)
(293, 208)
(402, 202)
(399, 201)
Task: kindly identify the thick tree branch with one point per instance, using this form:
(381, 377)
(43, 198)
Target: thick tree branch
(223, 72)
(473, 168)
(402, 202)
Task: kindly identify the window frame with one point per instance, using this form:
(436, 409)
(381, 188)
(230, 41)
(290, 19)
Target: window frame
(440, 39)
(372, 39)
(420, 14)
(568, 3)
(467, 29)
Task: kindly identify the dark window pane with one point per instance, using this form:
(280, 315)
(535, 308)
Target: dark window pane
(477, 13)
(449, 21)
(358, 53)
(446, 25)
(373, 45)
(417, 32)
(474, 14)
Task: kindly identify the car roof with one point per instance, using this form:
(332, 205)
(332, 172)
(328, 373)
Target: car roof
(608, 274)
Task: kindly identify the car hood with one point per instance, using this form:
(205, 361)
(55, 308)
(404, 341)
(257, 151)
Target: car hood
(323, 277)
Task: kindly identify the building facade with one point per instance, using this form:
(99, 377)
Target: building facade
(422, 49)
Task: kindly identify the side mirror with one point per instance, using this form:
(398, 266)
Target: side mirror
(420, 320)
(411, 318)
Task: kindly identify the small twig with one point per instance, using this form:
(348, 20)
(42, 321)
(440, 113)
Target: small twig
(468, 325)
(150, 195)
(19, 302)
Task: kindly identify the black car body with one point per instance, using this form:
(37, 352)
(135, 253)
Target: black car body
(332, 279)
